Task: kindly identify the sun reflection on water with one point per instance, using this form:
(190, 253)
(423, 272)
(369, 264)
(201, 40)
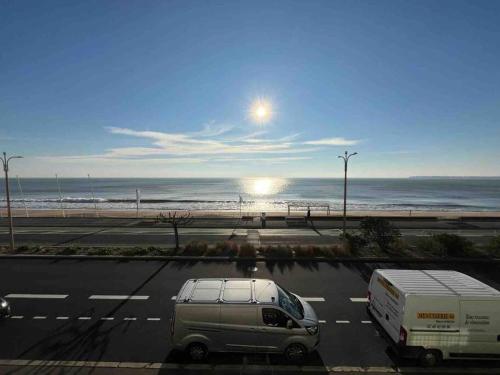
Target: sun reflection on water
(263, 186)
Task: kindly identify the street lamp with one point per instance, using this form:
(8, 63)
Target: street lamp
(346, 160)
(5, 162)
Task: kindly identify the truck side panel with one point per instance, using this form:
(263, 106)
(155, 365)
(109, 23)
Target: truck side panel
(432, 322)
(480, 329)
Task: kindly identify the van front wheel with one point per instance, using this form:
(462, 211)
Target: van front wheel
(295, 352)
(197, 351)
(429, 358)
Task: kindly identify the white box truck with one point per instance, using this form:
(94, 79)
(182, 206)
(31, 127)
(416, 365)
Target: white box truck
(435, 315)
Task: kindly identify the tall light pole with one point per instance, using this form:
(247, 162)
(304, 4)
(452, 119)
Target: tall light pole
(5, 162)
(345, 157)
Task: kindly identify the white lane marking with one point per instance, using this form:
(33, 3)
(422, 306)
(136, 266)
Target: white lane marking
(84, 317)
(129, 318)
(322, 321)
(313, 299)
(366, 321)
(354, 299)
(107, 318)
(62, 317)
(39, 317)
(342, 321)
(173, 298)
(118, 297)
(17, 317)
(154, 319)
(46, 296)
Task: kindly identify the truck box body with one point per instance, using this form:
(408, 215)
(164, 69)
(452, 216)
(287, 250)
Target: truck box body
(446, 311)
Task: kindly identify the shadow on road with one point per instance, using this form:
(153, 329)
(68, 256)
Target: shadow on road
(245, 363)
(83, 343)
(80, 237)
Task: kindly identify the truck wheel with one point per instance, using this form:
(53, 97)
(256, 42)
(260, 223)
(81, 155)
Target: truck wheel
(197, 351)
(295, 353)
(429, 358)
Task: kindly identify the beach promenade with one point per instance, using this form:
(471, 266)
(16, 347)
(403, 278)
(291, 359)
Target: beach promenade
(278, 230)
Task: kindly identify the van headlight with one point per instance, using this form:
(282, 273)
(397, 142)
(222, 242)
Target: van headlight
(312, 330)
(4, 304)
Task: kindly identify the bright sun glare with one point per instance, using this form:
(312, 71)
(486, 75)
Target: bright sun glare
(260, 111)
(261, 186)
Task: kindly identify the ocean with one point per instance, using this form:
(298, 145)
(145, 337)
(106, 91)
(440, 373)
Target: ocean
(257, 194)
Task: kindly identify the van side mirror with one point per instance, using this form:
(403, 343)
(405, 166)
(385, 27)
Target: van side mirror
(289, 324)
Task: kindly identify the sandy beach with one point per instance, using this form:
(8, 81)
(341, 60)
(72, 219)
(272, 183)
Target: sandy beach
(235, 213)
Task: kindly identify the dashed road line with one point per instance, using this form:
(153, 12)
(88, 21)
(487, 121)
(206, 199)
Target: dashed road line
(62, 317)
(355, 299)
(84, 317)
(173, 298)
(322, 321)
(129, 318)
(153, 319)
(39, 317)
(17, 317)
(366, 321)
(40, 296)
(313, 299)
(107, 318)
(342, 321)
(119, 297)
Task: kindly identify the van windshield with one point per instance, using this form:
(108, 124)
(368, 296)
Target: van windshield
(290, 303)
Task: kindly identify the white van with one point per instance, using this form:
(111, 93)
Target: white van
(434, 315)
(242, 315)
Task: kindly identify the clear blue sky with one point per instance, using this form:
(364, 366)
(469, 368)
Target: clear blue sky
(163, 88)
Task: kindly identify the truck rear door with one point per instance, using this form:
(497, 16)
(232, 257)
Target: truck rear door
(386, 304)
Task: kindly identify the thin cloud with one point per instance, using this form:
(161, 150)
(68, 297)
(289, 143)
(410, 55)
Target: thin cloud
(337, 141)
(187, 144)
(107, 158)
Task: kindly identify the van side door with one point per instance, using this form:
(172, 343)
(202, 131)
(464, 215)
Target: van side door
(273, 331)
(238, 325)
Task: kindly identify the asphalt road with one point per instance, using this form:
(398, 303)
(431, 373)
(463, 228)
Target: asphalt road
(255, 223)
(62, 310)
(163, 236)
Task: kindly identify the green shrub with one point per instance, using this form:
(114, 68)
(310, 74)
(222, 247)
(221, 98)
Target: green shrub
(68, 251)
(226, 248)
(339, 251)
(134, 251)
(100, 251)
(493, 247)
(247, 251)
(379, 231)
(195, 248)
(445, 244)
(353, 243)
(279, 251)
(303, 252)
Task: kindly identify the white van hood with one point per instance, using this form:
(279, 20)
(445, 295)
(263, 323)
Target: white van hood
(310, 317)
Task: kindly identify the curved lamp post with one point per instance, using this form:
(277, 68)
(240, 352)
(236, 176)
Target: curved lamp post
(345, 157)
(5, 162)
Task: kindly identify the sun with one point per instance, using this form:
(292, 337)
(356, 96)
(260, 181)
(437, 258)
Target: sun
(261, 111)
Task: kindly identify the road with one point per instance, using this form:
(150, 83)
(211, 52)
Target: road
(164, 236)
(119, 311)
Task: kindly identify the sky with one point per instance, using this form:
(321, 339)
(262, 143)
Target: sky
(167, 88)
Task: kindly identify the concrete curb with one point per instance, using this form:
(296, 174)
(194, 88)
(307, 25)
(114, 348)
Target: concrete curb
(257, 259)
(276, 368)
